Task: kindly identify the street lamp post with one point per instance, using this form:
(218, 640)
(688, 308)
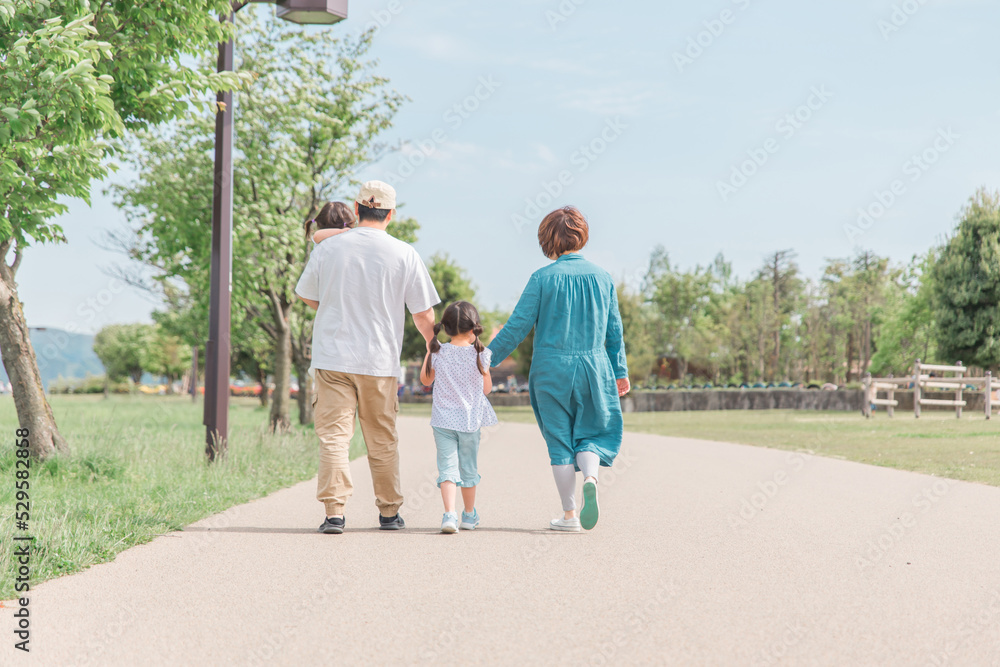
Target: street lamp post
(217, 349)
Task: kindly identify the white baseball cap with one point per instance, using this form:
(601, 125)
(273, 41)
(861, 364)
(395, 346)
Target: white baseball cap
(376, 194)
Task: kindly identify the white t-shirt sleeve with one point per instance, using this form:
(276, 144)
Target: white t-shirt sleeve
(485, 356)
(420, 291)
(308, 285)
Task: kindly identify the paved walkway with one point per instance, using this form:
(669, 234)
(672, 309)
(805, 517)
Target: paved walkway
(707, 553)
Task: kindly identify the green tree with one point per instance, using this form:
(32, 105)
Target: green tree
(909, 330)
(308, 122)
(640, 349)
(166, 356)
(682, 301)
(122, 349)
(966, 286)
(70, 78)
(785, 288)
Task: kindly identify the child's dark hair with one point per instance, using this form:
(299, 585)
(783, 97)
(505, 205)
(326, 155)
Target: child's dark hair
(458, 318)
(334, 215)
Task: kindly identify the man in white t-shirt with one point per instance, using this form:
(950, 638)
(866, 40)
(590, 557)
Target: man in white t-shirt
(360, 283)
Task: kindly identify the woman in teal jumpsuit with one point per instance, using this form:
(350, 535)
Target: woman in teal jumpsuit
(578, 357)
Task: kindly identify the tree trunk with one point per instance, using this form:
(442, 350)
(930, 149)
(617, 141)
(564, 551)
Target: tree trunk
(264, 397)
(33, 410)
(850, 355)
(868, 346)
(305, 397)
(302, 363)
(281, 400)
(194, 373)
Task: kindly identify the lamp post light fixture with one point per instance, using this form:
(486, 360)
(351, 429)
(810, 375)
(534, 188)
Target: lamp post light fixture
(217, 348)
(313, 11)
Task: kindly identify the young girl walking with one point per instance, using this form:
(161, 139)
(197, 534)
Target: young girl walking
(459, 371)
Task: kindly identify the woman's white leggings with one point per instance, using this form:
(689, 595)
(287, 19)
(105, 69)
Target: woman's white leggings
(589, 463)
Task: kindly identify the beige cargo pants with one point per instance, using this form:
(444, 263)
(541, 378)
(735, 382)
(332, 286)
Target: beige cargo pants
(339, 397)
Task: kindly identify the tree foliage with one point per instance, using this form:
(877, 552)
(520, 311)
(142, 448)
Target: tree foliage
(309, 121)
(909, 330)
(71, 78)
(966, 286)
(122, 348)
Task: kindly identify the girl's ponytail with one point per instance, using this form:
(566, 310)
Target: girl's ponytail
(434, 347)
(478, 344)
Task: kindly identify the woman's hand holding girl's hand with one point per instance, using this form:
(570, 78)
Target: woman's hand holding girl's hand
(624, 387)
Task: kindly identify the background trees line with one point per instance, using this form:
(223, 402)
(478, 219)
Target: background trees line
(863, 313)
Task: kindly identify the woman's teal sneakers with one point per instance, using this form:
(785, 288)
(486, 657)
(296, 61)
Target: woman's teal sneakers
(590, 511)
(449, 523)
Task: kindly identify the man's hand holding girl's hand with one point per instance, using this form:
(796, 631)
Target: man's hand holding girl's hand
(624, 387)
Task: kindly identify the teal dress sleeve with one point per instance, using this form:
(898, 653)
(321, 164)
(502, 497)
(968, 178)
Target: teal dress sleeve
(614, 339)
(519, 325)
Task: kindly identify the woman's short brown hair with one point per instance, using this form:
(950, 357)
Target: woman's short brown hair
(563, 230)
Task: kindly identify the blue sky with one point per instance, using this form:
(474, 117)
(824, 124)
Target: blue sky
(639, 113)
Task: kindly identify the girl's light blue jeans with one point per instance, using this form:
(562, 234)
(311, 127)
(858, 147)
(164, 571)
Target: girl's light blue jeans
(457, 457)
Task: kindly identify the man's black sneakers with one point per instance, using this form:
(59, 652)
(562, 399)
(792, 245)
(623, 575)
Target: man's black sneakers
(334, 526)
(391, 522)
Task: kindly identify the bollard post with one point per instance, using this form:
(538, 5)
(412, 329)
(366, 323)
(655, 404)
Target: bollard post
(988, 398)
(958, 394)
(916, 390)
(890, 409)
(867, 396)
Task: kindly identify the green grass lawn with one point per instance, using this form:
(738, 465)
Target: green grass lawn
(138, 470)
(937, 443)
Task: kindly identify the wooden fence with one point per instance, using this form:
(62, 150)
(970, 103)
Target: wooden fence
(922, 381)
